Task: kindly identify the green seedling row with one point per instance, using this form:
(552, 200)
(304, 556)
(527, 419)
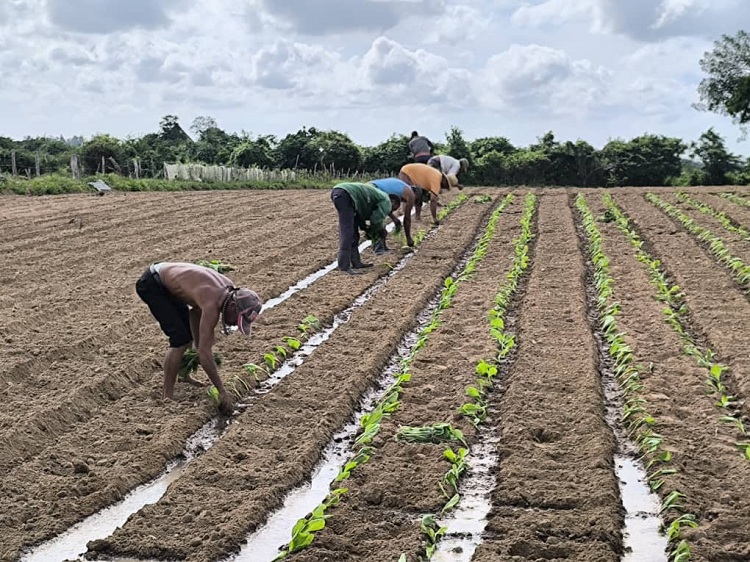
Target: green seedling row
(736, 199)
(476, 409)
(740, 270)
(435, 433)
(190, 363)
(640, 424)
(272, 360)
(676, 315)
(420, 234)
(725, 221)
(370, 423)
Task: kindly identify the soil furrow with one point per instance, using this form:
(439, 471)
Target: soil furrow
(401, 480)
(110, 213)
(159, 240)
(719, 309)
(736, 245)
(109, 373)
(556, 494)
(289, 427)
(688, 420)
(737, 213)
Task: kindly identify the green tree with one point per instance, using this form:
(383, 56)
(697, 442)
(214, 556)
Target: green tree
(726, 90)
(254, 153)
(170, 130)
(717, 161)
(294, 150)
(456, 146)
(648, 160)
(335, 151)
(203, 123)
(214, 146)
(483, 146)
(387, 157)
(570, 163)
(106, 148)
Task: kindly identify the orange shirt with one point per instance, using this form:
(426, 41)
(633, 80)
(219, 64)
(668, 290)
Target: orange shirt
(424, 176)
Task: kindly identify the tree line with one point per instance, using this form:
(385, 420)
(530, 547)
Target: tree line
(647, 160)
(653, 160)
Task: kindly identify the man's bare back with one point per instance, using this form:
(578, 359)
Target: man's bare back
(189, 300)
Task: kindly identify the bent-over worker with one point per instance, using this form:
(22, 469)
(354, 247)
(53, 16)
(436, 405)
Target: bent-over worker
(430, 180)
(451, 167)
(407, 195)
(356, 204)
(188, 301)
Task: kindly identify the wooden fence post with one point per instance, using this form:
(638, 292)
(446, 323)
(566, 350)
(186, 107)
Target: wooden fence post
(74, 169)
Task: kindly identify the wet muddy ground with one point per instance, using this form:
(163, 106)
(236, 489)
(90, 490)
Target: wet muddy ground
(81, 423)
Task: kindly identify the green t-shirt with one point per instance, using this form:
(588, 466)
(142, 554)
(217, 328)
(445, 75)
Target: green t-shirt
(370, 203)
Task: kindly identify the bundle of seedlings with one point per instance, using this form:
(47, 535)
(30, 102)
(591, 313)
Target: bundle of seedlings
(216, 265)
(190, 363)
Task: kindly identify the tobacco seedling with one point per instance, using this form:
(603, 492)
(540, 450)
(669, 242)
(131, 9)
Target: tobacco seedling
(216, 265)
(436, 433)
(433, 531)
(293, 343)
(213, 393)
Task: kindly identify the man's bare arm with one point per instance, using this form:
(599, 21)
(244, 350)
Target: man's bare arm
(433, 208)
(209, 319)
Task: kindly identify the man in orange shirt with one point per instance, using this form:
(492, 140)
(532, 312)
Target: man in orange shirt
(430, 181)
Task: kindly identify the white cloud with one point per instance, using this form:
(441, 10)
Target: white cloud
(644, 20)
(542, 80)
(403, 76)
(588, 69)
(553, 12)
(458, 23)
(104, 16)
(320, 17)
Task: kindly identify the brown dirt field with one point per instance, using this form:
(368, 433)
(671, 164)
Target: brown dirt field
(736, 245)
(718, 307)
(88, 393)
(400, 482)
(556, 494)
(738, 213)
(712, 473)
(293, 424)
(114, 418)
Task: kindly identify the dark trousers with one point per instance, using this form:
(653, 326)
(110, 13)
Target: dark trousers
(348, 230)
(422, 158)
(173, 316)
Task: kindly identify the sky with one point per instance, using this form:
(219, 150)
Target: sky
(594, 70)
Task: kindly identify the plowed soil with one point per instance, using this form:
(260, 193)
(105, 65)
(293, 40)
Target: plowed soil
(82, 423)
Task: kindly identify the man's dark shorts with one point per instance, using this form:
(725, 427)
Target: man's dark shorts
(422, 158)
(173, 315)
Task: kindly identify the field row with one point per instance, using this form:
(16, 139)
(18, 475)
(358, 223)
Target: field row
(535, 283)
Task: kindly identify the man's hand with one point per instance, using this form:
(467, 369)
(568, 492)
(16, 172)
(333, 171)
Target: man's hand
(226, 404)
(397, 228)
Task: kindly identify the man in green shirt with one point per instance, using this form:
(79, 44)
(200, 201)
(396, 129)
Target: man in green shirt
(356, 204)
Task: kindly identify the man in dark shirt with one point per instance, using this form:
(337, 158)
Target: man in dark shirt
(421, 148)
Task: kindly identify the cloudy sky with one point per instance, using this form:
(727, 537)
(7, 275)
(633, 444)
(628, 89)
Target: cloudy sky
(588, 69)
